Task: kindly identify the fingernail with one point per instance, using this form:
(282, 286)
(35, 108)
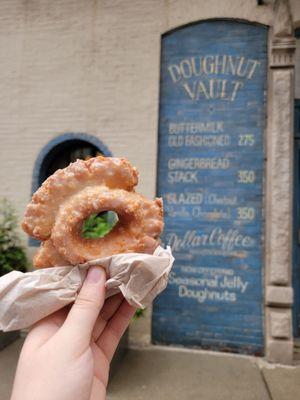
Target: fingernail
(95, 274)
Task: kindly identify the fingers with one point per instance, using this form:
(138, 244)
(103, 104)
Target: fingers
(98, 390)
(109, 339)
(110, 307)
(81, 319)
(42, 331)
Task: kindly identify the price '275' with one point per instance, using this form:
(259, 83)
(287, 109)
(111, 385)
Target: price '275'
(246, 140)
(246, 176)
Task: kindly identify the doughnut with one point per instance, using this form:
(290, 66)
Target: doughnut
(111, 172)
(66, 199)
(47, 255)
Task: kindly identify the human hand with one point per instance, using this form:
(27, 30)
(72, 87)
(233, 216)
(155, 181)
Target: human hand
(66, 356)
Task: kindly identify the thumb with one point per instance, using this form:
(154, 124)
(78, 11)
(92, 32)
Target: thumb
(81, 319)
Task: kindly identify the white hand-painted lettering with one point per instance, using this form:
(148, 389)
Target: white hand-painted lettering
(198, 140)
(193, 128)
(215, 199)
(218, 287)
(198, 163)
(197, 75)
(203, 295)
(184, 198)
(226, 240)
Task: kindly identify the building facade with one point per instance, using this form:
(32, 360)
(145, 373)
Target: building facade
(203, 98)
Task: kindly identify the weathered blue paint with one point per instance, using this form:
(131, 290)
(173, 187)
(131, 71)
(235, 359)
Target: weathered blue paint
(210, 174)
(70, 136)
(296, 225)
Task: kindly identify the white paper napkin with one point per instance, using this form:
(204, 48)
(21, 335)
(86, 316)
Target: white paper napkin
(25, 298)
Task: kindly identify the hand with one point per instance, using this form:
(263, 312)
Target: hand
(66, 356)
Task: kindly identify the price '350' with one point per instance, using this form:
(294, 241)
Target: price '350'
(246, 176)
(246, 213)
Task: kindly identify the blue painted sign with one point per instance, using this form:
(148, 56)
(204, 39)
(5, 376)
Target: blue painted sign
(210, 175)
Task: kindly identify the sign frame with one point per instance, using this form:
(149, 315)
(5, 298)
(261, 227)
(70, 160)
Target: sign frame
(258, 350)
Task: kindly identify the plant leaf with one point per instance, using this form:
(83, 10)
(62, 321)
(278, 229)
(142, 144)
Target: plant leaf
(99, 225)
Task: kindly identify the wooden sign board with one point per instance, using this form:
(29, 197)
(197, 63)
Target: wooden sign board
(210, 175)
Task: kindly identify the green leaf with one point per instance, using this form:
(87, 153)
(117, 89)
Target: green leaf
(99, 225)
(12, 255)
(140, 312)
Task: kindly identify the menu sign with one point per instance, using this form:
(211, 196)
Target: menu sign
(210, 175)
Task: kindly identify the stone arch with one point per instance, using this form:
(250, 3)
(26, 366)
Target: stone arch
(55, 147)
(57, 143)
(199, 21)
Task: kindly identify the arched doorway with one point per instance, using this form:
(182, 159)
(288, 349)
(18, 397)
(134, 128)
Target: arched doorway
(60, 152)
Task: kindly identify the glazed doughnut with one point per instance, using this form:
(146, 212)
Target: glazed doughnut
(111, 172)
(67, 198)
(47, 255)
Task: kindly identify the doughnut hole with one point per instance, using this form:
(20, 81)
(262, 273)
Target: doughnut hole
(140, 220)
(99, 225)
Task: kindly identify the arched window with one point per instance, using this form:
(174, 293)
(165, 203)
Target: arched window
(60, 152)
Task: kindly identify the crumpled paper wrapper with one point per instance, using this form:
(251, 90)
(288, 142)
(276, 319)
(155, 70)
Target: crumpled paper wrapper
(25, 298)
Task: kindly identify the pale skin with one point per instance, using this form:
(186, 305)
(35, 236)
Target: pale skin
(66, 356)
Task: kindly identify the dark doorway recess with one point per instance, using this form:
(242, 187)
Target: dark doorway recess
(60, 152)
